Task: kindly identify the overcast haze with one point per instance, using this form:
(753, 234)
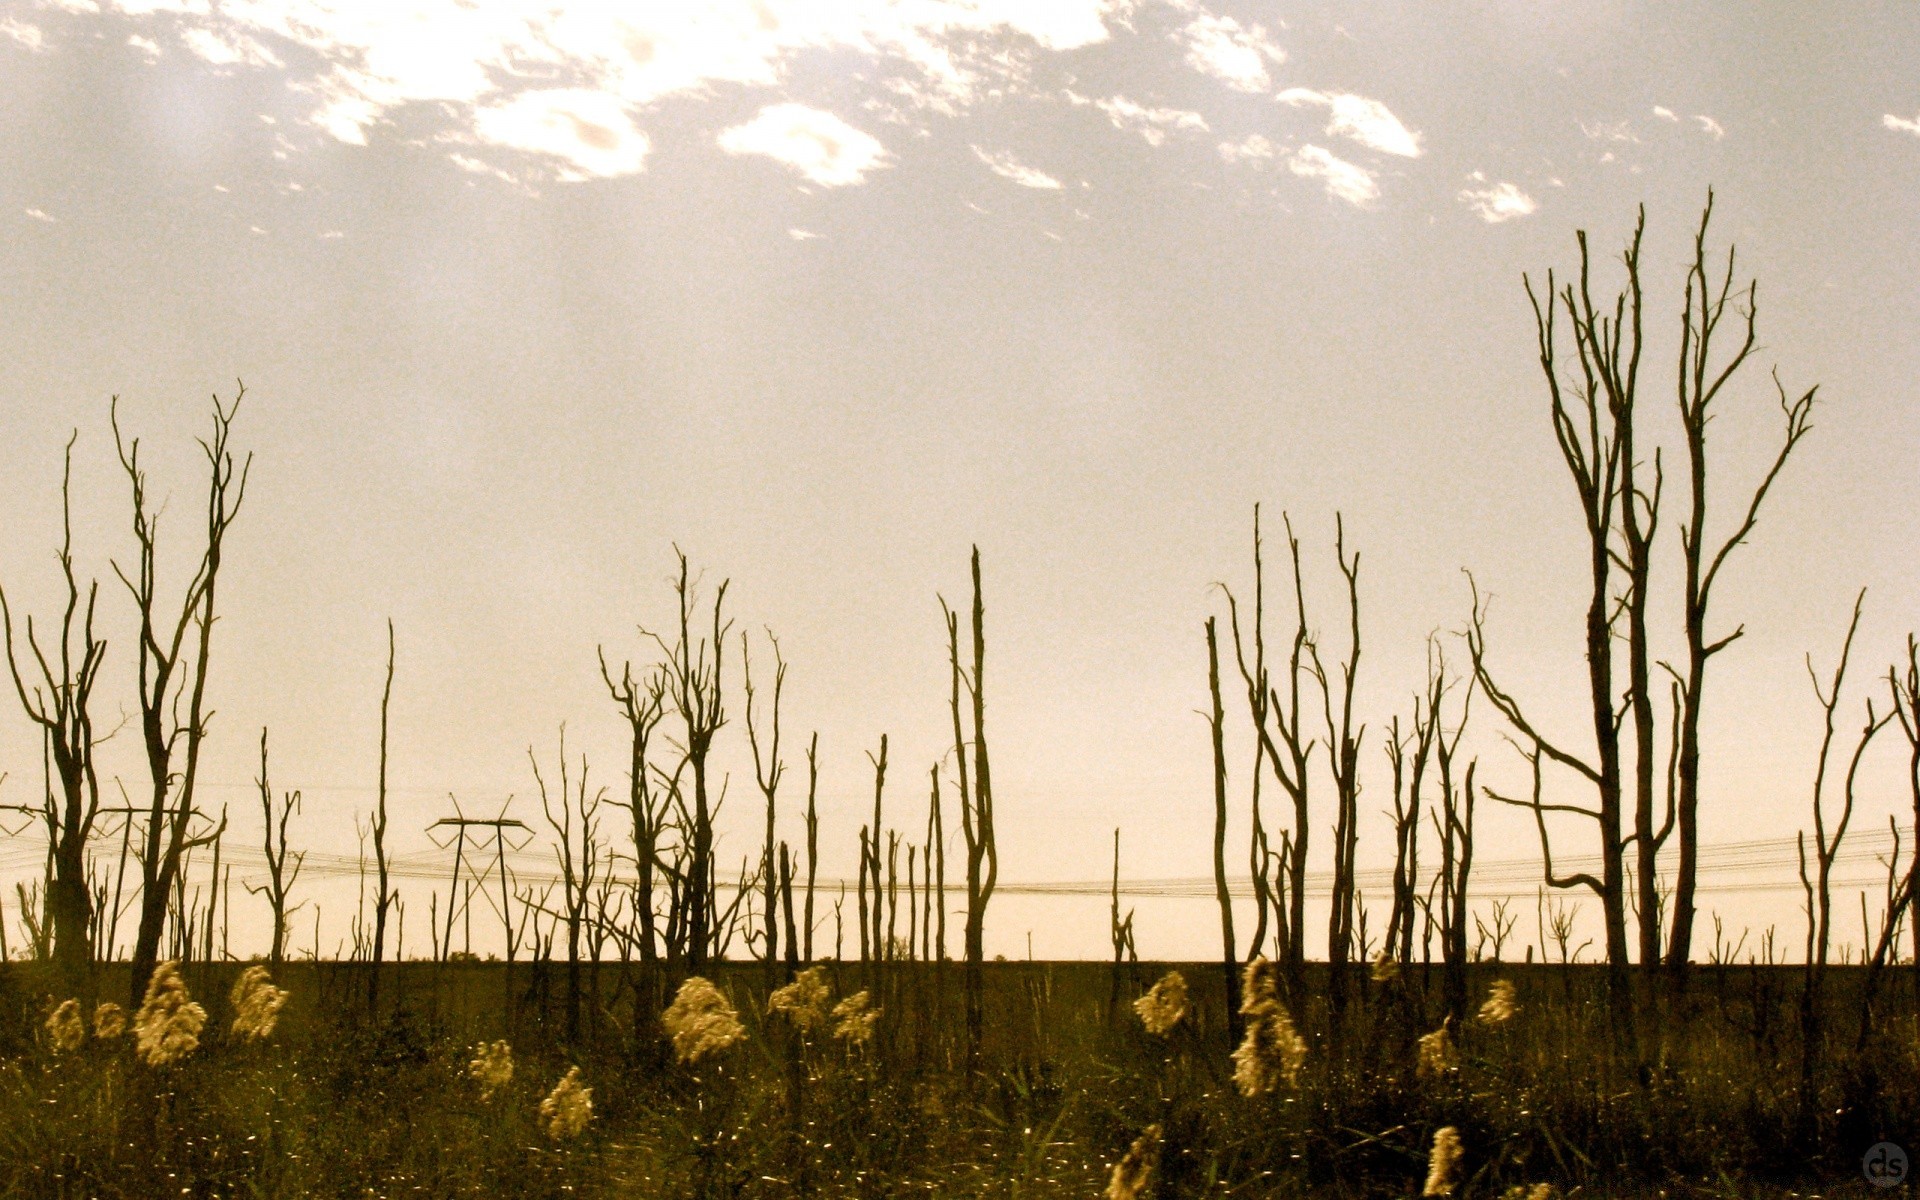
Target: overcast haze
(825, 293)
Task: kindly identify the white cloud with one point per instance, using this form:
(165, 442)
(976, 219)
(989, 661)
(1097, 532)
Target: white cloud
(1665, 114)
(1252, 148)
(1498, 202)
(229, 47)
(1600, 131)
(1348, 181)
(1150, 123)
(145, 45)
(802, 235)
(473, 56)
(1712, 127)
(1006, 166)
(23, 33)
(1900, 125)
(589, 132)
(39, 215)
(1235, 54)
(817, 144)
(1366, 121)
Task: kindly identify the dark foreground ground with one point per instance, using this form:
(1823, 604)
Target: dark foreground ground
(1708, 1090)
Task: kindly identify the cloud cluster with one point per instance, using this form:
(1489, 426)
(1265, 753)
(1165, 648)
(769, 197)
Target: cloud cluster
(1006, 166)
(1347, 181)
(1368, 122)
(1235, 54)
(1152, 124)
(1902, 125)
(1497, 202)
(817, 144)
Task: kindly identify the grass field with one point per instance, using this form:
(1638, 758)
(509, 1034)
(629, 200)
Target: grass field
(1704, 1096)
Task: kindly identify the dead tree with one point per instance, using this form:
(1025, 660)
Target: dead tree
(1709, 301)
(813, 838)
(1905, 684)
(1817, 882)
(694, 685)
(280, 877)
(1343, 746)
(936, 865)
(976, 803)
(384, 894)
(1223, 895)
(173, 661)
(642, 705)
(1280, 738)
(60, 703)
(576, 827)
(767, 770)
(873, 947)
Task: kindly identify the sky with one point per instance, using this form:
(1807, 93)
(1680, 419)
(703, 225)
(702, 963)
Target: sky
(825, 293)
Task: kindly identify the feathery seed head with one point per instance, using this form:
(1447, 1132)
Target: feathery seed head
(854, 1019)
(804, 1001)
(1272, 1052)
(1164, 1005)
(1443, 1164)
(1386, 968)
(1501, 1005)
(256, 1004)
(167, 1027)
(491, 1067)
(1259, 984)
(1133, 1175)
(109, 1021)
(1437, 1053)
(700, 1021)
(568, 1107)
(66, 1032)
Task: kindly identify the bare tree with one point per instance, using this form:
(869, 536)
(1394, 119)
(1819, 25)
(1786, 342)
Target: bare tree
(976, 802)
(694, 685)
(60, 703)
(1701, 379)
(384, 895)
(1904, 681)
(813, 836)
(642, 705)
(167, 675)
(1343, 745)
(573, 815)
(1216, 728)
(280, 877)
(767, 770)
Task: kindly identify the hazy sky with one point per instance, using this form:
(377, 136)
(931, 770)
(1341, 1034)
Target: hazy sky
(826, 291)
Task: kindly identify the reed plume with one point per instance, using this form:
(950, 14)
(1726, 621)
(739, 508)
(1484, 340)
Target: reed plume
(854, 1019)
(1164, 1005)
(167, 1027)
(1132, 1176)
(256, 1004)
(491, 1067)
(1501, 1005)
(1443, 1163)
(1273, 1052)
(1386, 968)
(700, 1021)
(1437, 1053)
(66, 1032)
(804, 1001)
(568, 1107)
(109, 1021)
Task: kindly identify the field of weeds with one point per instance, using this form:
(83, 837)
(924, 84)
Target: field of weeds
(856, 1081)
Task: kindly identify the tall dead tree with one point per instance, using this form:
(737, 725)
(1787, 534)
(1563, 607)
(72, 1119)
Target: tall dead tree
(767, 769)
(694, 685)
(576, 828)
(383, 895)
(642, 705)
(976, 802)
(813, 836)
(1904, 680)
(1223, 894)
(1343, 748)
(60, 702)
(280, 876)
(1709, 302)
(175, 650)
